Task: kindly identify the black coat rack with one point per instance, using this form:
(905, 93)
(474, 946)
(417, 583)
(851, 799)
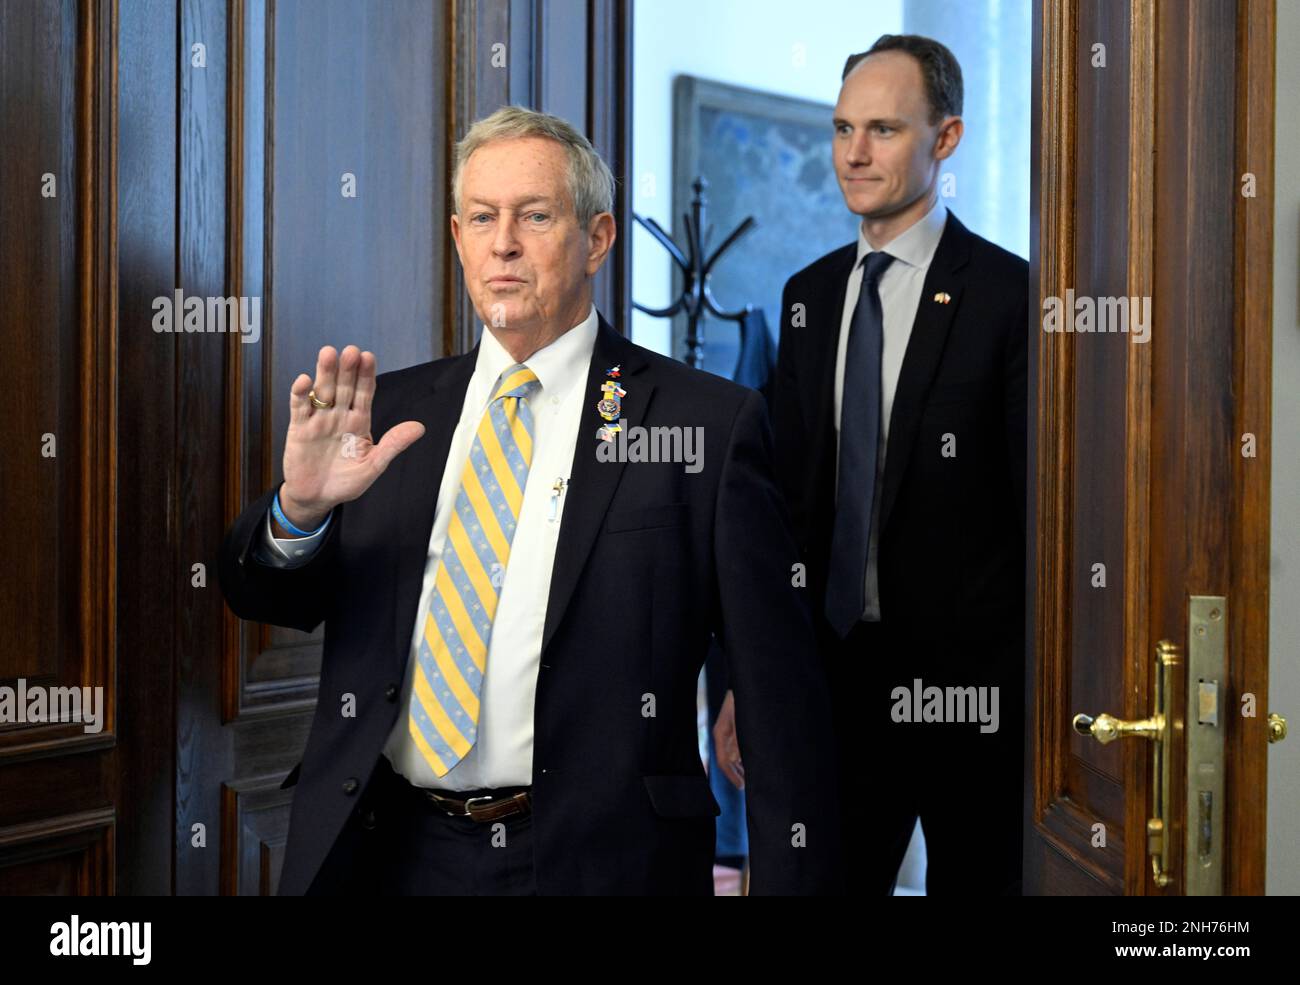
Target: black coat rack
(696, 297)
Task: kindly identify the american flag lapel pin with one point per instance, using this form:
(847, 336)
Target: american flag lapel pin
(609, 405)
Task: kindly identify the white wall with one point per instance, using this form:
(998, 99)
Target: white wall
(1283, 867)
(742, 42)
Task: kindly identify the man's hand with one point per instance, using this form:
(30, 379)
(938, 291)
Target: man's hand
(329, 455)
(725, 746)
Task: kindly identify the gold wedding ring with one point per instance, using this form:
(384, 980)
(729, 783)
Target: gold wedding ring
(318, 403)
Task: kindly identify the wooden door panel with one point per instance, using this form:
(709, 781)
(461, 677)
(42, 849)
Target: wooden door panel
(1079, 454)
(56, 497)
(58, 585)
(1136, 455)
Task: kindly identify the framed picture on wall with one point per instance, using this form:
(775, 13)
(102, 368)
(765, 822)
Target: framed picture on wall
(762, 155)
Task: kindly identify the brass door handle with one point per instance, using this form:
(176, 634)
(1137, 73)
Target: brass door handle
(1159, 728)
(1276, 727)
(1107, 728)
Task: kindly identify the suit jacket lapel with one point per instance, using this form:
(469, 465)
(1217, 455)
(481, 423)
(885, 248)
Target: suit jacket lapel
(924, 351)
(591, 482)
(421, 467)
(830, 316)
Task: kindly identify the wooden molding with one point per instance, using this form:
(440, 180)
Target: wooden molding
(1137, 439)
(1246, 839)
(1053, 475)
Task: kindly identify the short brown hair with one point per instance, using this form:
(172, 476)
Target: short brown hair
(939, 69)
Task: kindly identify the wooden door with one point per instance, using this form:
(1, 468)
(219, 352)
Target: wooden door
(1149, 463)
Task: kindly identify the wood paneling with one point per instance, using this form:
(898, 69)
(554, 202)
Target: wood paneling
(255, 825)
(58, 587)
(59, 481)
(201, 745)
(66, 855)
(152, 583)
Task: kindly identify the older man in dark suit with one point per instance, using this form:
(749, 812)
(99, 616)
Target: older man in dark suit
(518, 608)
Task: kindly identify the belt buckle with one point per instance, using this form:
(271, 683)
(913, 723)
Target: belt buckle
(469, 810)
(470, 804)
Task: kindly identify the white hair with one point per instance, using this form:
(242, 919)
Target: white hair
(591, 185)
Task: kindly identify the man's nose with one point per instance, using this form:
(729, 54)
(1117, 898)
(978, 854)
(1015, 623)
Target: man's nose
(859, 149)
(505, 243)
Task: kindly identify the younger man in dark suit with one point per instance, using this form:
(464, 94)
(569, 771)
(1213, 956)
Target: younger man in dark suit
(899, 414)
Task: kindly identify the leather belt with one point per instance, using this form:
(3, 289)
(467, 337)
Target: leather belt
(481, 805)
(482, 808)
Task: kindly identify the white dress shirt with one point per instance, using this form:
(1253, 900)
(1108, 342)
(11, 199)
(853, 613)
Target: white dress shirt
(900, 296)
(502, 754)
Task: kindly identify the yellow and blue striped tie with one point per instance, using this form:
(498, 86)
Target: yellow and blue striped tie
(444, 714)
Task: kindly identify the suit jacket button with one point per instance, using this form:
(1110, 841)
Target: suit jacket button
(368, 820)
(391, 692)
(350, 785)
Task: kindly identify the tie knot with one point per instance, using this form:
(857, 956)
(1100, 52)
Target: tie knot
(874, 265)
(517, 381)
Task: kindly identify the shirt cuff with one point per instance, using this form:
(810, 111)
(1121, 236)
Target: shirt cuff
(288, 552)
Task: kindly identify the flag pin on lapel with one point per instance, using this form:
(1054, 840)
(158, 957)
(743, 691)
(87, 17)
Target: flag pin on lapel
(609, 405)
(943, 297)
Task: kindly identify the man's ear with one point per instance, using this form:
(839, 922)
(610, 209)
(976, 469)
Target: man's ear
(601, 233)
(950, 134)
(455, 235)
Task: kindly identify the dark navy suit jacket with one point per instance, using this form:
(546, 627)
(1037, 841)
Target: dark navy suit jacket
(952, 514)
(651, 561)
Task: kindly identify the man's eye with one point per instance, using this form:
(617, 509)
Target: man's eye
(842, 129)
(538, 216)
(477, 216)
(884, 129)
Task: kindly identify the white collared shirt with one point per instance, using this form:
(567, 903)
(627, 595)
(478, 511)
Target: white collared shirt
(900, 296)
(502, 754)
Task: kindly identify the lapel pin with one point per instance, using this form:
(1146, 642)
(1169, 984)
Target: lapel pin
(943, 297)
(609, 406)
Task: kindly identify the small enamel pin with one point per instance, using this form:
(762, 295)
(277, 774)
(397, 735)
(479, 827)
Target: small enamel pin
(609, 405)
(943, 297)
(607, 431)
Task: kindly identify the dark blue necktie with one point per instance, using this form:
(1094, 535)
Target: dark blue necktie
(859, 443)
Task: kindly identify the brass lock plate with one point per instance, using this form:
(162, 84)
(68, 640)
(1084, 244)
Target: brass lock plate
(1207, 714)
